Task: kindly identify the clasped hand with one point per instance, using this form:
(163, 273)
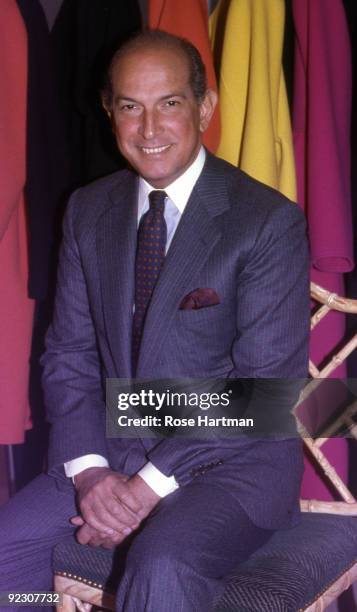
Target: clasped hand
(112, 506)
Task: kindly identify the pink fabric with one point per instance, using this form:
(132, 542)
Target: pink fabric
(321, 129)
(16, 310)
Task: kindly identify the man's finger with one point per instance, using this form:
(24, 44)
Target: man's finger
(84, 534)
(116, 510)
(122, 492)
(92, 537)
(102, 521)
(77, 520)
(92, 518)
(121, 520)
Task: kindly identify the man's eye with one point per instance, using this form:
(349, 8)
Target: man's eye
(172, 103)
(128, 107)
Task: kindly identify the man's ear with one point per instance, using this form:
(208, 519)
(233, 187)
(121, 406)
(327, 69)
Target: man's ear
(207, 107)
(106, 109)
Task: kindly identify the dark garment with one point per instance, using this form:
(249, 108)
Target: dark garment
(288, 51)
(351, 281)
(83, 37)
(47, 152)
(47, 180)
(69, 142)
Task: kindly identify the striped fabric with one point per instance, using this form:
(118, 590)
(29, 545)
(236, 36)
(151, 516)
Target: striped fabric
(285, 575)
(294, 568)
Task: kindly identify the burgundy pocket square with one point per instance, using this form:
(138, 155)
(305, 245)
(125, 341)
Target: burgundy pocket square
(199, 298)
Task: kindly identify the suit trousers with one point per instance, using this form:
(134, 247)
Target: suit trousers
(177, 561)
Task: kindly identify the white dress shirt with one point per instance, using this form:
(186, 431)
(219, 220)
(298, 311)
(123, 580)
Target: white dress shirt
(178, 194)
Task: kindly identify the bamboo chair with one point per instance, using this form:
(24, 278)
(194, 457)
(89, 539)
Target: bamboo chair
(330, 302)
(80, 592)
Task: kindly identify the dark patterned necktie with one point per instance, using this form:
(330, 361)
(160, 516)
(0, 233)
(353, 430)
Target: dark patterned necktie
(150, 255)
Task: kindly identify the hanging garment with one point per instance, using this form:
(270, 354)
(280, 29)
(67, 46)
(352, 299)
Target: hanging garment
(16, 309)
(189, 19)
(47, 151)
(247, 39)
(84, 36)
(321, 124)
(351, 279)
(51, 10)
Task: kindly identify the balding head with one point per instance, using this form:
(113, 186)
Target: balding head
(157, 39)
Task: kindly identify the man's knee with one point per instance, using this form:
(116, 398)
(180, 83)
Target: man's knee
(152, 555)
(160, 574)
(36, 516)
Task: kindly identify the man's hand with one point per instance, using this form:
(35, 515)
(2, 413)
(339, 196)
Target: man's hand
(112, 506)
(92, 537)
(105, 501)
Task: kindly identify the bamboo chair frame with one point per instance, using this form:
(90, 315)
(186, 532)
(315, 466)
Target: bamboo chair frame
(329, 302)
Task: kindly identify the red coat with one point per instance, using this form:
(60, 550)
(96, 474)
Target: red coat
(16, 310)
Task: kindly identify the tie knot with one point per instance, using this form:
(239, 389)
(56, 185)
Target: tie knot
(157, 200)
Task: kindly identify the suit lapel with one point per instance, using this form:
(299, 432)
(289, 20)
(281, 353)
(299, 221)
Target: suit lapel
(116, 245)
(197, 234)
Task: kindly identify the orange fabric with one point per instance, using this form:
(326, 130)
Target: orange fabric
(16, 310)
(189, 19)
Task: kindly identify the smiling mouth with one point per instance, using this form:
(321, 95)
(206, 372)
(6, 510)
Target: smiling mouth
(155, 150)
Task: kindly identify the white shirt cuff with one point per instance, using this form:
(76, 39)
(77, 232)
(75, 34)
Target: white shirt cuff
(74, 467)
(162, 485)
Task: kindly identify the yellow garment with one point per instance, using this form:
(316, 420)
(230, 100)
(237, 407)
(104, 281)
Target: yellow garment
(247, 39)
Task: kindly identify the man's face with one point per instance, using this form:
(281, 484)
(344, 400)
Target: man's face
(156, 119)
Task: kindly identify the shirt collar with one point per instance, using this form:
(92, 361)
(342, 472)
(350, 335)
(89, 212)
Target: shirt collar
(180, 190)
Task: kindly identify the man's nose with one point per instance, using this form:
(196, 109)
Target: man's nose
(150, 125)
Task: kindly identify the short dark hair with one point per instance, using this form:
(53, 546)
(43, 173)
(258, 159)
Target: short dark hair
(160, 39)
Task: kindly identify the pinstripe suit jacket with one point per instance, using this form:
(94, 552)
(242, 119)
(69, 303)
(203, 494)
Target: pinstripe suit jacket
(236, 236)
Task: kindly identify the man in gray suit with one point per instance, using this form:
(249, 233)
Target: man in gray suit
(182, 267)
